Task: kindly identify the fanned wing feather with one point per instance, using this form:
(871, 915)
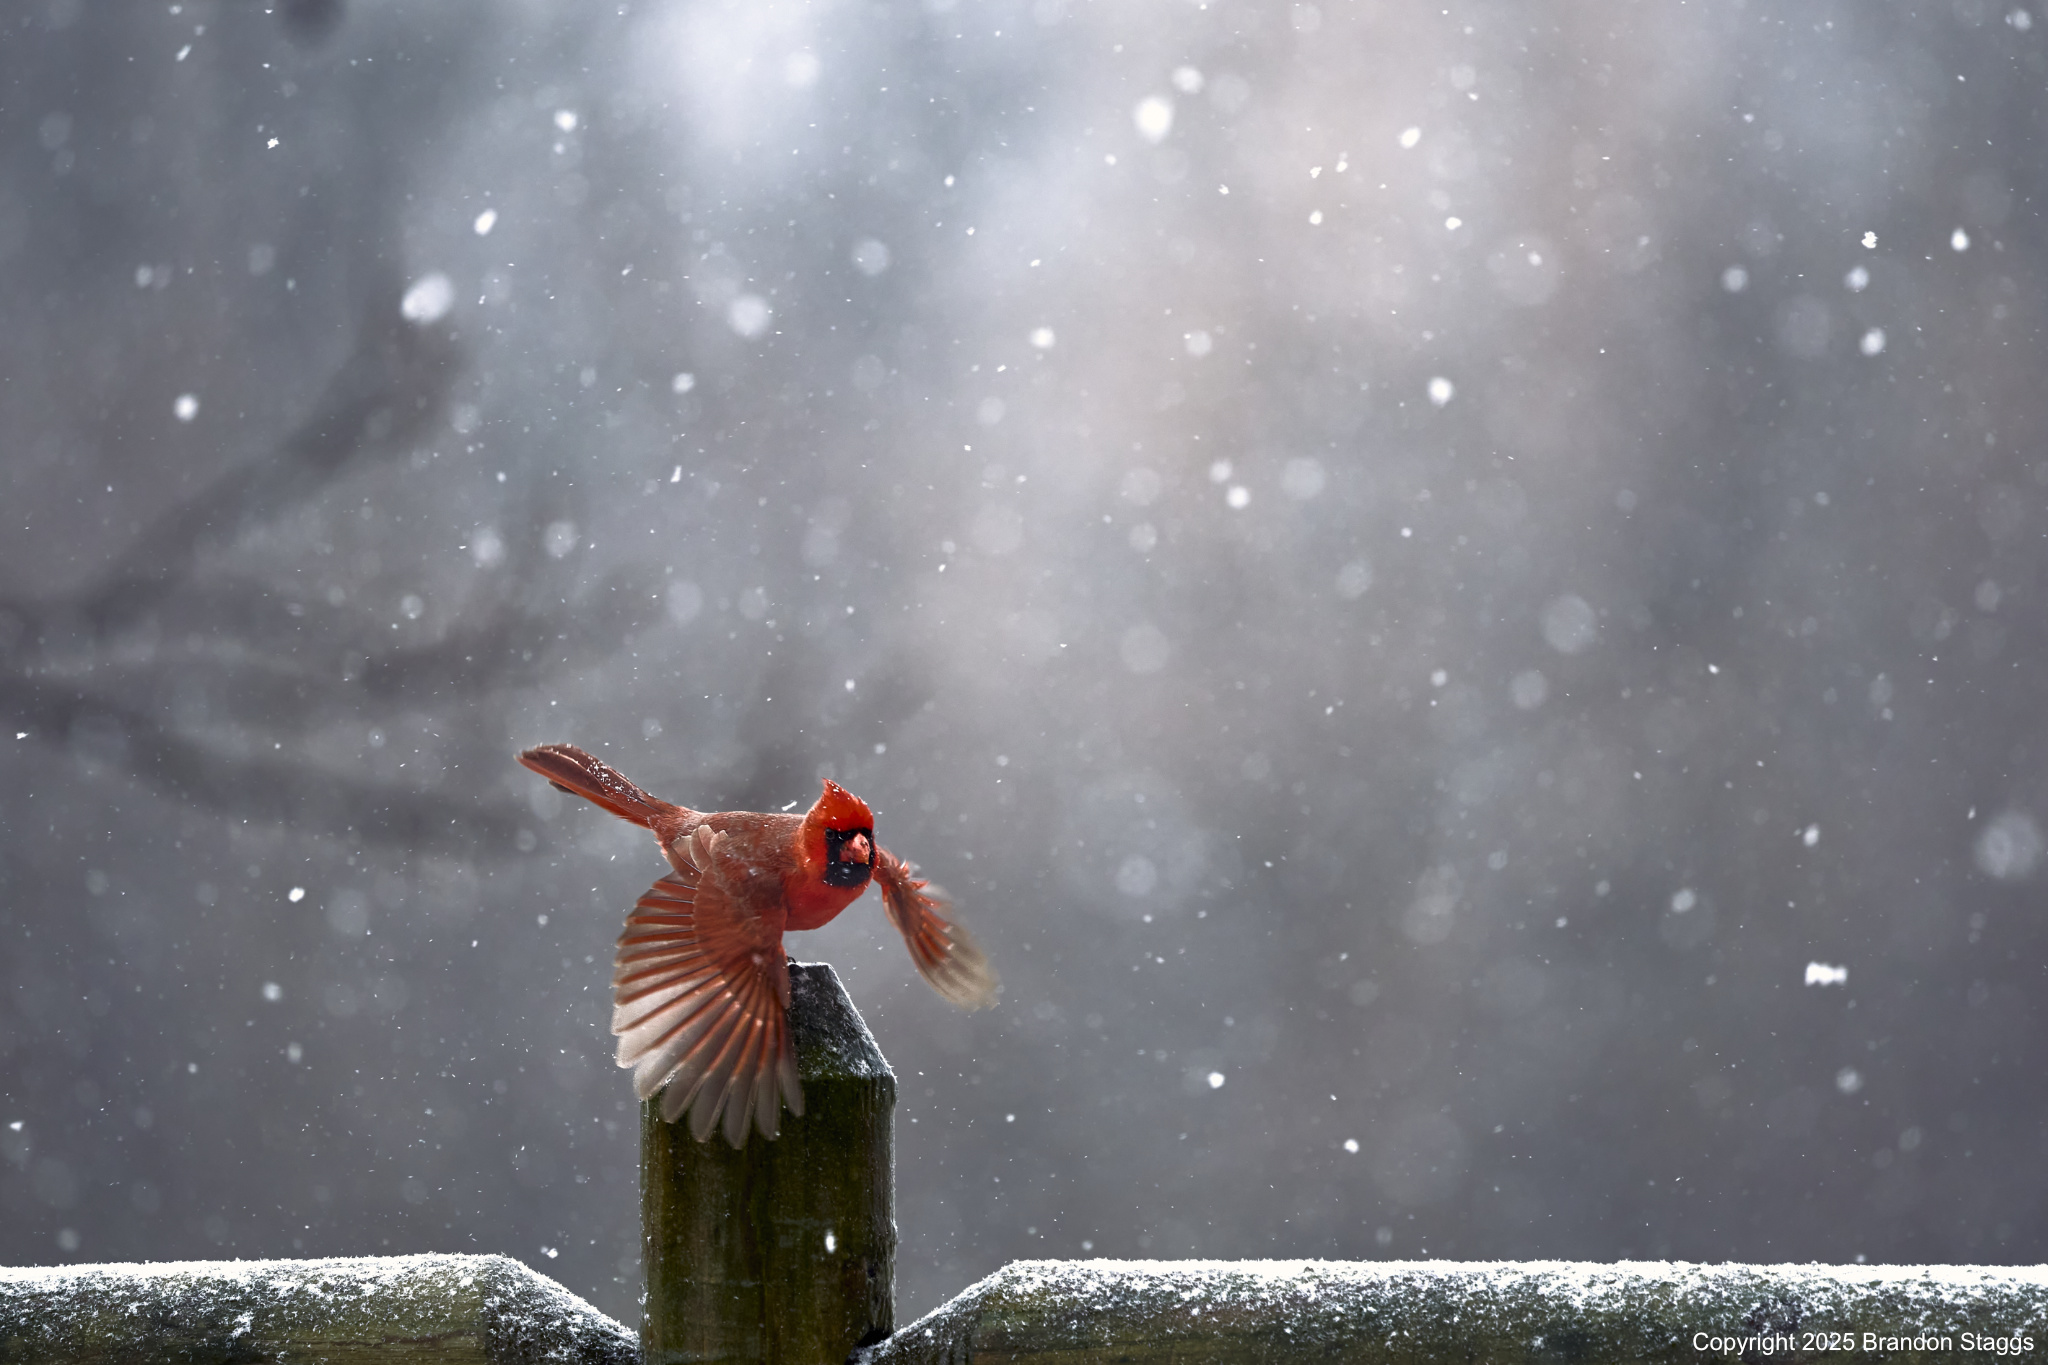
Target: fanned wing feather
(944, 953)
(700, 1000)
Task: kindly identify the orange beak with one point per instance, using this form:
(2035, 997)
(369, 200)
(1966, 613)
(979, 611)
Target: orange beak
(856, 850)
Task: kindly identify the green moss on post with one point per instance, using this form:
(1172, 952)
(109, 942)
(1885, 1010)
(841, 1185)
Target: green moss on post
(782, 1251)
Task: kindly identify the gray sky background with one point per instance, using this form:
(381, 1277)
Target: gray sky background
(1411, 567)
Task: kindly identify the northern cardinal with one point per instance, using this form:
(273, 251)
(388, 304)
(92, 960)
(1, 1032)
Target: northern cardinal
(700, 984)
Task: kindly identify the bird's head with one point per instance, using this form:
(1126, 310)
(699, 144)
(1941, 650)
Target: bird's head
(839, 837)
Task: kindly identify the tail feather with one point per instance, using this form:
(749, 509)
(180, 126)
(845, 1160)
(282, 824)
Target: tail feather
(572, 770)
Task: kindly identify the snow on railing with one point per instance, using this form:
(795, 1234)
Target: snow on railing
(1410, 1312)
(416, 1308)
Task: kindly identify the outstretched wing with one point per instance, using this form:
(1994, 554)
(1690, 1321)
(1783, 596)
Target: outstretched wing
(700, 1000)
(945, 953)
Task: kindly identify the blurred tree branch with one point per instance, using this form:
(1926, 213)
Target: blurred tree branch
(111, 705)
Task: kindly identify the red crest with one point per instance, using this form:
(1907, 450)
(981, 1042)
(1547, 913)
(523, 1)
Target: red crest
(838, 808)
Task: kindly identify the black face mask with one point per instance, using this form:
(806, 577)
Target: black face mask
(838, 873)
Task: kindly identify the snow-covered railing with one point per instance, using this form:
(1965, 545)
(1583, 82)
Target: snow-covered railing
(422, 1309)
(1409, 1312)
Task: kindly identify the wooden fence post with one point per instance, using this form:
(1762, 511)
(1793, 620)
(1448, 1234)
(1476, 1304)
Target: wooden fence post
(782, 1251)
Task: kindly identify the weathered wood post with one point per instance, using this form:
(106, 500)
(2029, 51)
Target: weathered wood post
(782, 1251)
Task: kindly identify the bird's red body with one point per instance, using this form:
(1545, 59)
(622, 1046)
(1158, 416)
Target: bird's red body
(774, 845)
(700, 985)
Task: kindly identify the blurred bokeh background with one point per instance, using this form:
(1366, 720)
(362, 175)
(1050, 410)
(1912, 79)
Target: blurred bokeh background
(1456, 593)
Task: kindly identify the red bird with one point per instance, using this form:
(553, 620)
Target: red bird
(700, 985)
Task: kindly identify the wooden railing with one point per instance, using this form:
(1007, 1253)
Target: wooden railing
(1438, 1312)
(348, 1311)
(785, 1252)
